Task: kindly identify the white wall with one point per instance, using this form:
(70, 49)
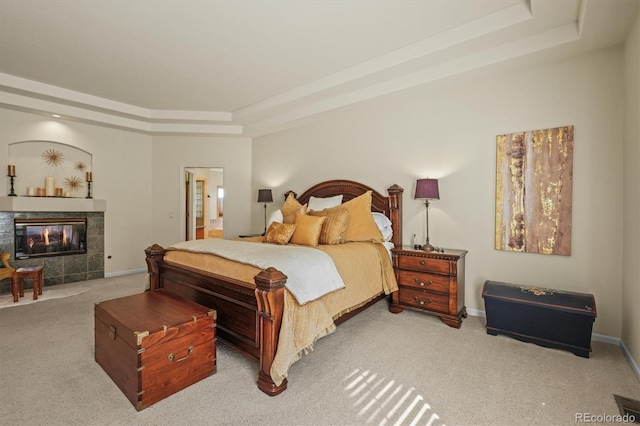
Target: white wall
(448, 130)
(121, 174)
(171, 155)
(631, 287)
(145, 203)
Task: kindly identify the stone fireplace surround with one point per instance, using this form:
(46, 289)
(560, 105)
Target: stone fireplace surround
(57, 269)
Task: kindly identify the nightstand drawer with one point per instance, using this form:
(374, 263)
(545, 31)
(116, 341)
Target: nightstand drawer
(424, 264)
(425, 300)
(424, 281)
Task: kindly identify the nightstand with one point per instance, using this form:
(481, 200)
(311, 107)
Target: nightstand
(430, 281)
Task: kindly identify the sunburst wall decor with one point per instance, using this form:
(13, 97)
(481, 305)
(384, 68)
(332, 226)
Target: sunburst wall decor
(53, 157)
(36, 161)
(73, 183)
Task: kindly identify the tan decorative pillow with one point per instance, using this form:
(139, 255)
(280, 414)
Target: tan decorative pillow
(308, 230)
(291, 217)
(279, 233)
(361, 226)
(334, 226)
(291, 208)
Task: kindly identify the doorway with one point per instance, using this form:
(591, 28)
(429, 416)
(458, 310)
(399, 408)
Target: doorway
(204, 206)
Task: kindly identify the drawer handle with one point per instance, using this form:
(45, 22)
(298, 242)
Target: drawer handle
(422, 283)
(422, 302)
(422, 262)
(172, 357)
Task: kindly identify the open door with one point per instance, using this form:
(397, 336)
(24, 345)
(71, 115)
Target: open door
(189, 225)
(204, 192)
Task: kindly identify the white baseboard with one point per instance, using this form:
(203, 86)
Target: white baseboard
(476, 313)
(632, 362)
(597, 337)
(120, 273)
(605, 339)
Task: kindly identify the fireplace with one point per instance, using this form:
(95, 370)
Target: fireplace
(50, 237)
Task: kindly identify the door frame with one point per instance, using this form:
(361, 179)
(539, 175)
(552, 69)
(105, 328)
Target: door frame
(189, 176)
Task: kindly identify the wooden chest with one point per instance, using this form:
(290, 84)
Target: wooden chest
(551, 318)
(154, 344)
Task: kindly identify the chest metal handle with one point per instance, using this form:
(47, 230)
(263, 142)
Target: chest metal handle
(172, 357)
(422, 262)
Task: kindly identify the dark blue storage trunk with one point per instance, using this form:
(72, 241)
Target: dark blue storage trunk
(551, 318)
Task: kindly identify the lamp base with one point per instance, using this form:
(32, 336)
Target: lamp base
(428, 247)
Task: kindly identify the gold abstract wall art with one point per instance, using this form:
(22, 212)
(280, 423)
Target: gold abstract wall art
(534, 187)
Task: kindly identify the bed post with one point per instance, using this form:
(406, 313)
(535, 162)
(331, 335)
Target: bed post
(154, 254)
(270, 298)
(395, 214)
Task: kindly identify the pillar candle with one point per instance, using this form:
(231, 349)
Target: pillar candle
(49, 186)
(11, 170)
(31, 191)
(89, 177)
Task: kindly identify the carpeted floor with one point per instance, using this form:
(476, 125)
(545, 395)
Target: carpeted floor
(48, 293)
(377, 369)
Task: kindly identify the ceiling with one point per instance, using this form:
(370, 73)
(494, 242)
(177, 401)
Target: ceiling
(246, 67)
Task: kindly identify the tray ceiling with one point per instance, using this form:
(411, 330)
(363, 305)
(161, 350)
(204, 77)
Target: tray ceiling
(248, 68)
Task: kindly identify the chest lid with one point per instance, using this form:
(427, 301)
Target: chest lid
(567, 301)
(153, 317)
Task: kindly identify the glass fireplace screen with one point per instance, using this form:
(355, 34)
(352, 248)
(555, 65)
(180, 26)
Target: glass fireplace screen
(50, 237)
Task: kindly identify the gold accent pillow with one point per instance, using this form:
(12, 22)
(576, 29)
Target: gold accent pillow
(279, 233)
(307, 230)
(334, 226)
(361, 225)
(291, 208)
(291, 217)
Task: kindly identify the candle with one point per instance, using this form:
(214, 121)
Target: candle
(49, 186)
(89, 177)
(11, 170)
(67, 194)
(31, 191)
(58, 192)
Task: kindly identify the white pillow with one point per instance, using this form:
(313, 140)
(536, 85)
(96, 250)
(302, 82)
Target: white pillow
(384, 225)
(319, 204)
(276, 216)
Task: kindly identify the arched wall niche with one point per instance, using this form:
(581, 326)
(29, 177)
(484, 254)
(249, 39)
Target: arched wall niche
(37, 160)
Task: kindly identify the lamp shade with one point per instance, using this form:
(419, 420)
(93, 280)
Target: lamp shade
(265, 196)
(427, 189)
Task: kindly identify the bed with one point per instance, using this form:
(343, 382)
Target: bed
(257, 314)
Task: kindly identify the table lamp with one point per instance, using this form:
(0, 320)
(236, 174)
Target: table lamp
(428, 190)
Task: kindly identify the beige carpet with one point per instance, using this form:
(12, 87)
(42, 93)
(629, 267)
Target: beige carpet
(377, 369)
(48, 293)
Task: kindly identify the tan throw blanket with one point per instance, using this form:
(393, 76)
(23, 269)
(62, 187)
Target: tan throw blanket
(365, 269)
(310, 273)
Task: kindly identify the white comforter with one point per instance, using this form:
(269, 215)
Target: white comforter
(310, 273)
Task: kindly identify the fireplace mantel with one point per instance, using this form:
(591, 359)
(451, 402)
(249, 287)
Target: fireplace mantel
(51, 204)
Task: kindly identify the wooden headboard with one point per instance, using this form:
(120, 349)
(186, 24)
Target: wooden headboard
(390, 205)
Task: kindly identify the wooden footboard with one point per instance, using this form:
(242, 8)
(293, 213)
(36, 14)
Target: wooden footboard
(248, 319)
